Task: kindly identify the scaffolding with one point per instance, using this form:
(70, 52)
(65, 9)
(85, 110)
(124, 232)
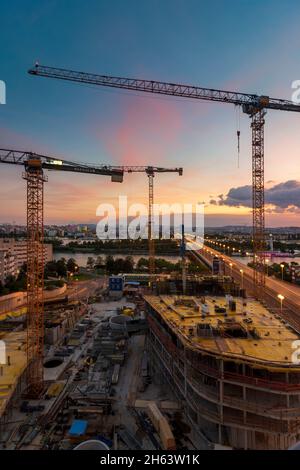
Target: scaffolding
(249, 404)
(35, 276)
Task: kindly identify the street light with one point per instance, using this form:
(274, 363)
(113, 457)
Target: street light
(230, 264)
(281, 298)
(282, 267)
(242, 276)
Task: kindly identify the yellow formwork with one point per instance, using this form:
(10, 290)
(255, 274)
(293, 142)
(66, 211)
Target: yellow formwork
(275, 342)
(14, 366)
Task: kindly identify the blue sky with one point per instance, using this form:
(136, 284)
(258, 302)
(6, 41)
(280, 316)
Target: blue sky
(232, 44)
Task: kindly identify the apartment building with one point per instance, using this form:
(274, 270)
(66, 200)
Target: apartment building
(13, 254)
(7, 265)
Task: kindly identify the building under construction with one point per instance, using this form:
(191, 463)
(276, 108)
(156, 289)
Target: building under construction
(60, 320)
(230, 362)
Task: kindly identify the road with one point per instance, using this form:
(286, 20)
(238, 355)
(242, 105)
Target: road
(75, 291)
(83, 289)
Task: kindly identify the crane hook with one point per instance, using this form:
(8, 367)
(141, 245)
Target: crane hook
(238, 133)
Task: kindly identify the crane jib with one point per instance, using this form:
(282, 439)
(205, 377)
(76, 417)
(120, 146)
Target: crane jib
(165, 88)
(32, 161)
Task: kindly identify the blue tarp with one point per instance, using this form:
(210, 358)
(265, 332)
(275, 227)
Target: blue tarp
(78, 427)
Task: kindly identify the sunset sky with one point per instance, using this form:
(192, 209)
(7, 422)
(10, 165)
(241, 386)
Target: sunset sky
(216, 44)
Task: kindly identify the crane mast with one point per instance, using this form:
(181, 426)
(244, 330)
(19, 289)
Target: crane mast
(258, 201)
(35, 275)
(151, 242)
(252, 104)
(34, 165)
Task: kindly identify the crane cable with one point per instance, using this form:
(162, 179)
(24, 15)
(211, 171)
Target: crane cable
(238, 132)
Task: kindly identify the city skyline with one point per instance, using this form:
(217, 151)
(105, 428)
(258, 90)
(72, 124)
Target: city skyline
(105, 126)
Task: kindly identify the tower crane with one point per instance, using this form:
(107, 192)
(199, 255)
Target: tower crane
(150, 172)
(255, 106)
(34, 165)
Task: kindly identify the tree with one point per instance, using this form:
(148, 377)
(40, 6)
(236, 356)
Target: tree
(110, 264)
(128, 264)
(142, 263)
(90, 262)
(71, 265)
(99, 262)
(21, 279)
(10, 283)
(61, 267)
(195, 268)
(51, 269)
(23, 270)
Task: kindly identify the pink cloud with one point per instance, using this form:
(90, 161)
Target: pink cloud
(146, 132)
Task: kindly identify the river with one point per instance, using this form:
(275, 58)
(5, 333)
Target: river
(274, 259)
(81, 258)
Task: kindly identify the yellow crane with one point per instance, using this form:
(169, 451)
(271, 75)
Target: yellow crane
(150, 172)
(253, 105)
(34, 165)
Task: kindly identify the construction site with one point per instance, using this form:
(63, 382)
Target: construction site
(204, 359)
(155, 370)
(229, 361)
(96, 383)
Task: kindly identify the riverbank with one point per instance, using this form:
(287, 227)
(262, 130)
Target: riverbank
(113, 252)
(81, 258)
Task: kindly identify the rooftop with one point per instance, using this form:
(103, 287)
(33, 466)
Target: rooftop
(250, 332)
